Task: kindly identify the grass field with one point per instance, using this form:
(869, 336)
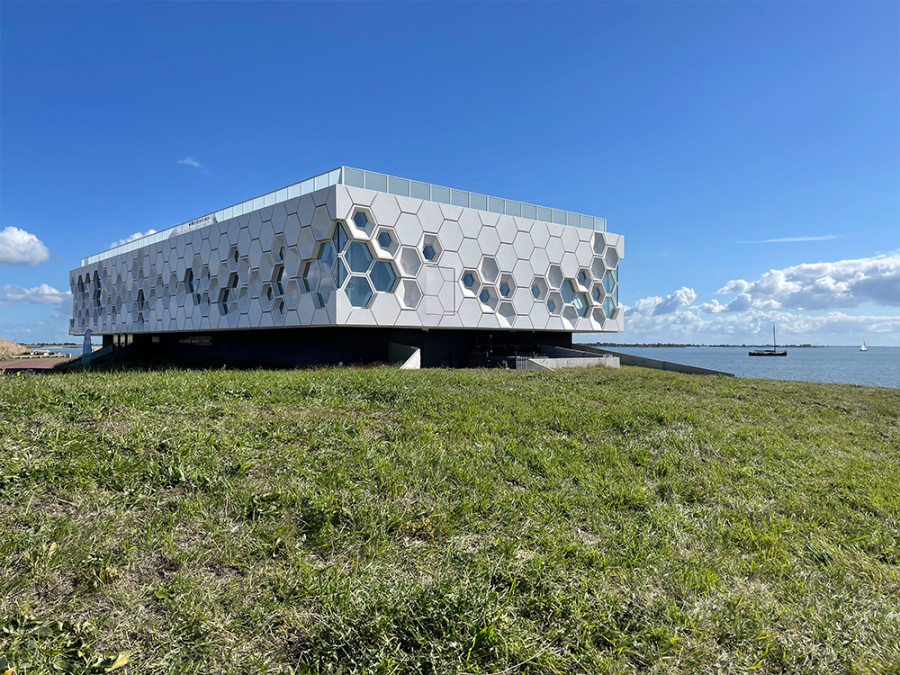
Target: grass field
(378, 520)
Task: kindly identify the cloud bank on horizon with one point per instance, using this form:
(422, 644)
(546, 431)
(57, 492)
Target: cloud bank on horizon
(43, 294)
(804, 300)
(132, 237)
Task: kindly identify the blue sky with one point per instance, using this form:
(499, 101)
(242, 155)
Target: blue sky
(701, 130)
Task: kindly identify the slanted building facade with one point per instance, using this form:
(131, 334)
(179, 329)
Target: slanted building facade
(340, 267)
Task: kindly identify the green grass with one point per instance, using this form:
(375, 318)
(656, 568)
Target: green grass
(377, 520)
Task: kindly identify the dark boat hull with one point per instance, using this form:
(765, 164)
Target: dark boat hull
(768, 353)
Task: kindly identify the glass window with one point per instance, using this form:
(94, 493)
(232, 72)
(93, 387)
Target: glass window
(281, 195)
(269, 199)
(321, 181)
(353, 177)
(478, 202)
(544, 214)
(259, 203)
(341, 273)
(360, 220)
(294, 191)
(428, 252)
(484, 295)
(334, 177)
(468, 280)
(398, 186)
(326, 253)
(340, 236)
(609, 307)
(307, 186)
(358, 291)
(567, 291)
(551, 305)
(419, 190)
(382, 276)
(559, 217)
(384, 239)
(580, 304)
(574, 219)
(504, 289)
(529, 211)
(358, 256)
(513, 208)
(376, 181)
(440, 194)
(495, 205)
(609, 282)
(459, 198)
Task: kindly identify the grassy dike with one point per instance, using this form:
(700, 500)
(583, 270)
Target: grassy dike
(377, 520)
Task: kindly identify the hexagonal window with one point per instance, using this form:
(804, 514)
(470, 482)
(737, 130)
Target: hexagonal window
(539, 288)
(485, 295)
(340, 273)
(326, 253)
(339, 238)
(309, 277)
(599, 243)
(597, 268)
(580, 303)
(384, 239)
(490, 270)
(611, 257)
(383, 276)
(555, 276)
(321, 299)
(358, 256)
(360, 220)
(278, 279)
(411, 294)
(609, 282)
(554, 303)
(583, 278)
(507, 312)
(431, 248)
(597, 293)
(567, 291)
(507, 286)
(359, 292)
(269, 293)
(488, 297)
(280, 308)
(281, 251)
(609, 307)
(410, 262)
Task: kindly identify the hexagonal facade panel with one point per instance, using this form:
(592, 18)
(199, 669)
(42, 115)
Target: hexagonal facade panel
(338, 249)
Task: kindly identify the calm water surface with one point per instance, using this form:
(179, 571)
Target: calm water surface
(880, 366)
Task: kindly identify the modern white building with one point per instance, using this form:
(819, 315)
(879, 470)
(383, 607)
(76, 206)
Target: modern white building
(343, 265)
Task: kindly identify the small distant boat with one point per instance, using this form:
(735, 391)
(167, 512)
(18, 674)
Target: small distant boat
(864, 348)
(769, 352)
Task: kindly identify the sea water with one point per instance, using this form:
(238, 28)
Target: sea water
(879, 366)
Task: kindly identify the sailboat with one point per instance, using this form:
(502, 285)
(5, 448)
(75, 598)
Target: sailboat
(864, 348)
(770, 352)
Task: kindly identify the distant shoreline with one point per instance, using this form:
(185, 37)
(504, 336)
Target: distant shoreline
(680, 344)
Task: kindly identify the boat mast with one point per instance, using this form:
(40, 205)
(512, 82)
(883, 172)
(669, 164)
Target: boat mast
(774, 346)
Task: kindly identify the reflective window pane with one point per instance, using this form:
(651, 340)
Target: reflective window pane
(478, 202)
(353, 178)
(513, 208)
(459, 198)
(359, 292)
(544, 214)
(529, 211)
(559, 217)
(376, 181)
(382, 276)
(440, 194)
(419, 190)
(495, 205)
(398, 186)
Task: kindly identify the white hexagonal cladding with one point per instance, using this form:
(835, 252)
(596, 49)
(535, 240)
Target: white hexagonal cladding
(431, 248)
(410, 293)
(555, 277)
(554, 303)
(507, 286)
(409, 261)
(386, 242)
(362, 222)
(490, 270)
(488, 298)
(506, 313)
(539, 288)
(611, 257)
(470, 282)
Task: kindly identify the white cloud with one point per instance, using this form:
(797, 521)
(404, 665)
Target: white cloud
(827, 285)
(39, 295)
(18, 247)
(131, 237)
(190, 161)
(655, 305)
(781, 240)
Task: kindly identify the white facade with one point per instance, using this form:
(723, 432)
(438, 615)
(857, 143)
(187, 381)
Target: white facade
(343, 255)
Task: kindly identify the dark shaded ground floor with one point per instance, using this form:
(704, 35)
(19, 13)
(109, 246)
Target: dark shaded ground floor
(339, 345)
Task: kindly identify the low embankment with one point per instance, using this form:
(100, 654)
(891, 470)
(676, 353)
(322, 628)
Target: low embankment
(379, 520)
